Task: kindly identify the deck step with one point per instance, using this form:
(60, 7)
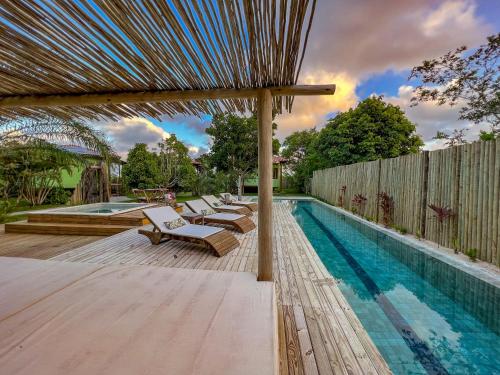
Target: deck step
(65, 228)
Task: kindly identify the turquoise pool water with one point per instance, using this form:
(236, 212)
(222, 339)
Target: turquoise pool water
(425, 316)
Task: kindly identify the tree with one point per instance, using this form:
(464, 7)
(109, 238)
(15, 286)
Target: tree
(467, 78)
(456, 138)
(298, 149)
(176, 169)
(142, 168)
(373, 130)
(34, 170)
(234, 145)
(31, 160)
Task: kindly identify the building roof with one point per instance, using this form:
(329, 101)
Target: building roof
(279, 160)
(81, 150)
(63, 48)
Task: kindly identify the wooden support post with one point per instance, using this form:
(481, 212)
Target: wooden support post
(265, 230)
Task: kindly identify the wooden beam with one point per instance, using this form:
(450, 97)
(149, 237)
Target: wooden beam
(158, 96)
(265, 229)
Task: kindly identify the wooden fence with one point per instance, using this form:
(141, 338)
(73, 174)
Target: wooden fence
(465, 179)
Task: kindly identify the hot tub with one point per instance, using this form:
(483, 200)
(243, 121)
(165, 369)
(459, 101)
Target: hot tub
(102, 209)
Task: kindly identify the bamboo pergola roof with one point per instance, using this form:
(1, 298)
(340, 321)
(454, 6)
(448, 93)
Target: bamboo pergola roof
(86, 47)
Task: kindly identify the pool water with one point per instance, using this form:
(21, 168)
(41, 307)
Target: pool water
(424, 316)
(97, 208)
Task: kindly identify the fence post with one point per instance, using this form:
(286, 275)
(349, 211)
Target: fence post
(423, 207)
(378, 187)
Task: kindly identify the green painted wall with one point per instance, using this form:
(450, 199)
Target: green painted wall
(69, 181)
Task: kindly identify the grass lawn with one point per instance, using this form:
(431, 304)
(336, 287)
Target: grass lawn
(23, 206)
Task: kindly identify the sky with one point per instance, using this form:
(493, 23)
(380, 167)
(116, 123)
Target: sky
(365, 47)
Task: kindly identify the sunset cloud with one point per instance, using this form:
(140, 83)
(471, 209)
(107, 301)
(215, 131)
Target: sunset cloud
(353, 40)
(314, 111)
(360, 37)
(124, 134)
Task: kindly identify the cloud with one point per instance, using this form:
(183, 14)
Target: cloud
(308, 112)
(198, 124)
(125, 133)
(196, 151)
(351, 40)
(430, 117)
(362, 37)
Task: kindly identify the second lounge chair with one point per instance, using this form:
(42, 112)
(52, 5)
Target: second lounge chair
(218, 206)
(241, 223)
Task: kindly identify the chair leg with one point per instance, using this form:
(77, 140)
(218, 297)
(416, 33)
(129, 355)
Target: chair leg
(154, 237)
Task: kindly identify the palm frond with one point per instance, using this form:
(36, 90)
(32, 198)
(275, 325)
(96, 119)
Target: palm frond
(54, 130)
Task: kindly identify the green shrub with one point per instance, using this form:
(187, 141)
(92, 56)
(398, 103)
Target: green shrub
(472, 254)
(58, 195)
(401, 230)
(5, 208)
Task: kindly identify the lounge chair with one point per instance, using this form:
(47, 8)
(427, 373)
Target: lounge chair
(218, 206)
(219, 240)
(140, 195)
(241, 223)
(232, 200)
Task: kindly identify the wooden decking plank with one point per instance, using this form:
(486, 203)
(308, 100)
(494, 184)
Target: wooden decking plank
(88, 319)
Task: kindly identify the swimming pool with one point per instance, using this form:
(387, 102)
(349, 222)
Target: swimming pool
(424, 315)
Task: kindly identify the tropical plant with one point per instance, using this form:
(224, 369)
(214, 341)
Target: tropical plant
(456, 245)
(467, 78)
(58, 196)
(400, 229)
(441, 213)
(386, 204)
(472, 254)
(49, 130)
(31, 160)
(34, 168)
(359, 200)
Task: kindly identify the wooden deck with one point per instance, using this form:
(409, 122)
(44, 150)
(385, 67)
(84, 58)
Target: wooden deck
(59, 318)
(318, 331)
(38, 246)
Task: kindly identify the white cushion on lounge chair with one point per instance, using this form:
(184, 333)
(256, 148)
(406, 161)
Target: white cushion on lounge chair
(159, 215)
(225, 216)
(215, 203)
(198, 205)
(194, 230)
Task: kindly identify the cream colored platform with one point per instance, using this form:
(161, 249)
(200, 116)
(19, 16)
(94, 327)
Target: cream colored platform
(75, 318)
